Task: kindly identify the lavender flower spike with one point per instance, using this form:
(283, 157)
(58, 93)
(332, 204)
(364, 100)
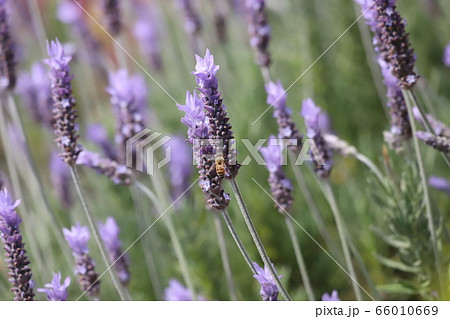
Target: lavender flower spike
(78, 237)
(55, 290)
(119, 174)
(287, 129)
(259, 31)
(446, 58)
(7, 59)
(64, 113)
(312, 115)
(195, 120)
(439, 128)
(440, 183)
(109, 232)
(280, 185)
(128, 101)
(269, 290)
(439, 143)
(220, 129)
(16, 259)
(333, 297)
(113, 15)
(394, 44)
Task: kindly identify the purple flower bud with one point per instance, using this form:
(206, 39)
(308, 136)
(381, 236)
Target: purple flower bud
(312, 115)
(333, 297)
(269, 289)
(61, 179)
(177, 292)
(64, 113)
(113, 15)
(128, 98)
(119, 174)
(7, 58)
(180, 165)
(280, 185)
(146, 32)
(440, 183)
(15, 254)
(109, 232)
(69, 12)
(55, 290)
(259, 30)
(446, 58)
(205, 69)
(439, 143)
(78, 237)
(34, 88)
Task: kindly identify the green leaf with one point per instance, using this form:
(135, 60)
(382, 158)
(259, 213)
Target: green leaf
(396, 241)
(397, 265)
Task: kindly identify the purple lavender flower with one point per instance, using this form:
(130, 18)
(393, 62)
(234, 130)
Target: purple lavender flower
(146, 32)
(7, 58)
(192, 22)
(177, 292)
(438, 127)
(16, 259)
(78, 238)
(113, 16)
(109, 232)
(280, 185)
(97, 134)
(312, 114)
(333, 297)
(69, 12)
(64, 113)
(287, 129)
(180, 165)
(220, 129)
(61, 180)
(446, 58)
(55, 290)
(119, 174)
(400, 125)
(440, 183)
(269, 290)
(369, 9)
(259, 31)
(34, 88)
(394, 46)
(128, 97)
(210, 183)
(439, 143)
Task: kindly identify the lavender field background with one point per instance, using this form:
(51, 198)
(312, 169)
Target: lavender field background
(379, 195)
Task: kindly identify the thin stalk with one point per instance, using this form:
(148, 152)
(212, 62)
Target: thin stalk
(412, 96)
(238, 241)
(266, 74)
(147, 249)
(257, 240)
(76, 180)
(423, 177)
(300, 260)
(312, 205)
(342, 236)
(225, 259)
(370, 165)
(172, 232)
(38, 24)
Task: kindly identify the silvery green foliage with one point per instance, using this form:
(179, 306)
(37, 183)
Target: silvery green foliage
(406, 233)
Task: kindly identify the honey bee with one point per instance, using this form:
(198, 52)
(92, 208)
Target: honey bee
(220, 166)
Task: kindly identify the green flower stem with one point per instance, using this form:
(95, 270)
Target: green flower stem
(76, 180)
(343, 236)
(257, 240)
(238, 241)
(225, 259)
(423, 177)
(300, 260)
